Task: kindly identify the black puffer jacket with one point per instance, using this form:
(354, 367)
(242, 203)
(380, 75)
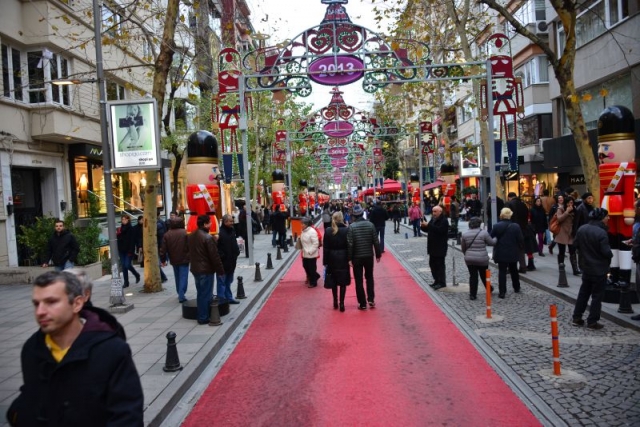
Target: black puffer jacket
(362, 240)
(62, 247)
(126, 236)
(95, 384)
(228, 248)
(510, 240)
(592, 242)
(334, 254)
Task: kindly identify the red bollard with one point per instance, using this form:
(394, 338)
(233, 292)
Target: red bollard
(488, 280)
(555, 340)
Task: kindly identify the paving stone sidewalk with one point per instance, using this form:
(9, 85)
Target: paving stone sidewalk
(600, 380)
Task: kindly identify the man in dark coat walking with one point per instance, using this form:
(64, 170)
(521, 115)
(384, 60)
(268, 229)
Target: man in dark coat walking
(279, 225)
(229, 251)
(205, 262)
(77, 368)
(437, 234)
(521, 217)
(362, 242)
(378, 218)
(62, 249)
(175, 246)
(595, 258)
(126, 236)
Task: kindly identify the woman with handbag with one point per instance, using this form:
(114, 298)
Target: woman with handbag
(474, 247)
(310, 251)
(507, 251)
(564, 238)
(335, 260)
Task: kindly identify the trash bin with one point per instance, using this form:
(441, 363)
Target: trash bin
(296, 226)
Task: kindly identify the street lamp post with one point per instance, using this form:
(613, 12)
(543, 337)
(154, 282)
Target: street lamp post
(117, 295)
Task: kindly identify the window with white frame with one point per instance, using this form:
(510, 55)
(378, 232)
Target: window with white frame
(594, 19)
(115, 92)
(111, 22)
(12, 82)
(465, 112)
(27, 76)
(534, 71)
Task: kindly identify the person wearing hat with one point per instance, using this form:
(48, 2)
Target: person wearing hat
(310, 251)
(507, 251)
(581, 218)
(362, 245)
(592, 241)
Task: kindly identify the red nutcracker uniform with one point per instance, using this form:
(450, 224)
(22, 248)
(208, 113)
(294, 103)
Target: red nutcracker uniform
(302, 197)
(203, 192)
(617, 170)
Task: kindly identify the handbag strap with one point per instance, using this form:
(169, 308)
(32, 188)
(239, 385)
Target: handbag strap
(474, 237)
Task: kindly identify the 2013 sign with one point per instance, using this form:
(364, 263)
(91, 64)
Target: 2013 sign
(336, 71)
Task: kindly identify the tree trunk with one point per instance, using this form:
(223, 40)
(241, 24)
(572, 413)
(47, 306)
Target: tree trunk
(152, 281)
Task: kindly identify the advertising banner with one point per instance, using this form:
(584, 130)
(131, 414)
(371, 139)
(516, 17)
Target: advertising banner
(134, 135)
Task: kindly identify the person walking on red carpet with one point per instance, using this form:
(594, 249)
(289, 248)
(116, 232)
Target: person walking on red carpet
(335, 258)
(507, 251)
(437, 234)
(362, 244)
(310, 251)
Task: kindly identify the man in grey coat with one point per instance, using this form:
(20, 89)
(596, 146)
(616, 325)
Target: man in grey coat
(595, 258)
(362, 241)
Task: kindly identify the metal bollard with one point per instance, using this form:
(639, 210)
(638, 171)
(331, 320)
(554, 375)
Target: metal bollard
(172, 361)
(458, 238)
(554, 339)
(278, 254)
(258, 277)
(269, 262)
(240, 293)
(286, 246)
(562, 276)
(214, 314)
(406, 235)
(624, 305)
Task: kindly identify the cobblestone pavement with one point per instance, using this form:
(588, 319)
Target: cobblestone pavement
(600, 380)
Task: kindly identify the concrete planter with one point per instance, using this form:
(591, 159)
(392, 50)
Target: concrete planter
(26, 275)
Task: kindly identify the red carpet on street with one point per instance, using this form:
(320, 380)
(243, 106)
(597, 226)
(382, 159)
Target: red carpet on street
(403, 363)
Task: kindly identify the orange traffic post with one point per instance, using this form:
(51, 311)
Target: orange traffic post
(488, 280)
(554, 339)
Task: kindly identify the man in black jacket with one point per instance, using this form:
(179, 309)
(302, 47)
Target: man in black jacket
(62, 249)
(521, 217)
(595, 258)
(378, 218)
(126, 236)
(77, 368)
(362, 242)
(229, 251)
(437, 234)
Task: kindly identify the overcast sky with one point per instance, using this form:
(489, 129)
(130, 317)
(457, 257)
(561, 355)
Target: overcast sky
(286, 19)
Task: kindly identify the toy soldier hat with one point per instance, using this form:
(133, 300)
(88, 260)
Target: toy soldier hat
(277, 175)
(357, 210)
(202, 147)
(303, 183)
(616, 123)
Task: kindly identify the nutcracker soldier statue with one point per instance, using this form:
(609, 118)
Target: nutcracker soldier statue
(415, 188)
(203, 191)
(302, 197)
(277, 190)
(617, 170)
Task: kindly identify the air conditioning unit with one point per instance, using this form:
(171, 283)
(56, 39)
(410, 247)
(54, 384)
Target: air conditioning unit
(541, 144)
(542, 27)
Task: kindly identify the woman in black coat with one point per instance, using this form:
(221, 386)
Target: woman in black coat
(507, 251)
(539, 223)
(335, 259)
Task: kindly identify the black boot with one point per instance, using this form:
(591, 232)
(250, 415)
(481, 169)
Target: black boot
(531, 266)
(574, 265)
(551, 246)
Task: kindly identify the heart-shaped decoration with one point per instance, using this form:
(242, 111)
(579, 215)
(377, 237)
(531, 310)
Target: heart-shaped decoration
(319, 42)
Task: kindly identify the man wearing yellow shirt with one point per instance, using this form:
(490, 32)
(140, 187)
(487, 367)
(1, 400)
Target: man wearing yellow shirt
(77, 368)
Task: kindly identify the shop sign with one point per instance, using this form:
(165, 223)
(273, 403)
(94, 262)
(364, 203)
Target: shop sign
(577, 180)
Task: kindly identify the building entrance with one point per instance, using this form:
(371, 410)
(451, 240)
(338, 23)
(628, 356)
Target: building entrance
(27, 202)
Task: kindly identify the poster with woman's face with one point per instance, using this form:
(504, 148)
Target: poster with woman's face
(134, 135)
